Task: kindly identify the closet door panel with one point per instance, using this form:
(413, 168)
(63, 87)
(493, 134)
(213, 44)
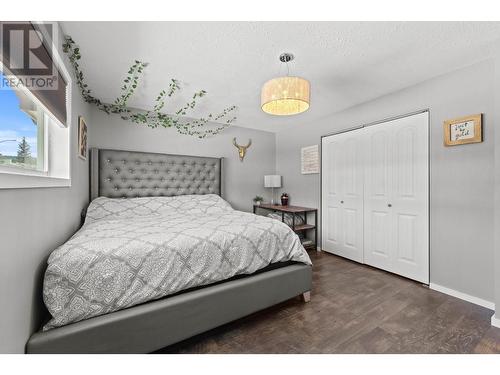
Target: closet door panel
(411, 197)
(342, 195)
(332, 181)
(378, 231)
(352, 199)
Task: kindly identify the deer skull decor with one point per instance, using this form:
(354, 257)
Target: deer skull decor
(242, 150)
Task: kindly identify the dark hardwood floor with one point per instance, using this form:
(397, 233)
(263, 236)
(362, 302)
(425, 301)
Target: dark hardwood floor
(356, 309)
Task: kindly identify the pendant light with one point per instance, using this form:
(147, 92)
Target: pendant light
(284, 96)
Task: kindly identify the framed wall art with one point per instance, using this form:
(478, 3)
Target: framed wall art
(309, 160)
(463, 130)
(82, 138)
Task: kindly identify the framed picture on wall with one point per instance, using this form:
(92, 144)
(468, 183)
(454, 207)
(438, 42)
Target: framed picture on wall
(309, 159)
(463, 130)
(82, 138)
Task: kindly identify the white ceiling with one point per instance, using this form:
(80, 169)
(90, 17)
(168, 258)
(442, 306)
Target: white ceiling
(347, 63)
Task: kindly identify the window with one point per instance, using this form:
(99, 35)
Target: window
(23, 136)
(34, 129)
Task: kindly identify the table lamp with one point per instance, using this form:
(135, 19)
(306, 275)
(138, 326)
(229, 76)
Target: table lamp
(272, 181)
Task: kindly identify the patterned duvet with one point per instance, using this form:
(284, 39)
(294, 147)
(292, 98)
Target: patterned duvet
(131, 251)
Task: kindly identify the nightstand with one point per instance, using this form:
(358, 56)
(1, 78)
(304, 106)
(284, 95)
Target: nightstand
(295, 210)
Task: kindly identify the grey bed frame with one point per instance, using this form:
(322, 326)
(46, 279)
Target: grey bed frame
(151, 326)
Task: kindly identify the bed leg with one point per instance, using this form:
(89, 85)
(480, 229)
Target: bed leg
(306, 296)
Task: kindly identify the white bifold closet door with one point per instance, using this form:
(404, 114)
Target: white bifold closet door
(342, 189)
(393, 157)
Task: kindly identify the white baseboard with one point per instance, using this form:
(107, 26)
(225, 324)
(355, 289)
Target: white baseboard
(495, 322)
(464, 296)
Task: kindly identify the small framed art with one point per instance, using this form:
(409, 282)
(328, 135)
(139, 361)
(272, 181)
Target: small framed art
(82, 138)
(463, 130)
(309, 159)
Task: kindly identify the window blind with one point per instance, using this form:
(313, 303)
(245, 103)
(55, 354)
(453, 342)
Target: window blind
(28, 57)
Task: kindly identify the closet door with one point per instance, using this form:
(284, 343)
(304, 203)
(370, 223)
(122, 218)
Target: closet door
(378, 218)
(342, 195)
(397, 197)
(410, 197)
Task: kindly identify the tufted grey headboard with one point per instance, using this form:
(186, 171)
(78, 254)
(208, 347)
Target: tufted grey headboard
(130, 174)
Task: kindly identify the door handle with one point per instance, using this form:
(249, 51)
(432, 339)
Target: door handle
(389, 205)
(342, 202)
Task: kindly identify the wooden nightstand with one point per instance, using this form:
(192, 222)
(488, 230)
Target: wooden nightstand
(295, 210)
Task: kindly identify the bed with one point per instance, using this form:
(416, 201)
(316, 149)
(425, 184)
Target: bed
(172, 261)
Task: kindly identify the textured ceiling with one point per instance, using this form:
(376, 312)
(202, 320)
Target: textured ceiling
(347, 63)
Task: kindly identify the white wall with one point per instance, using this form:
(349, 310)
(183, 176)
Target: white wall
(33, 222)
(242, 180)
(462, 177)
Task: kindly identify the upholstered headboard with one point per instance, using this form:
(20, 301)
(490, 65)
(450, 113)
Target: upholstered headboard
(130, 174)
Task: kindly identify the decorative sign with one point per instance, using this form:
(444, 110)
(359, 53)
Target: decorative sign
(463, 130)
(309, 159)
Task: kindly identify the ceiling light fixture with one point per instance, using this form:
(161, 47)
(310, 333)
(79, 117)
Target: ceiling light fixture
(285, 96)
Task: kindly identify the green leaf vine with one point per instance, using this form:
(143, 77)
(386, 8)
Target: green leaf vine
(154, 118)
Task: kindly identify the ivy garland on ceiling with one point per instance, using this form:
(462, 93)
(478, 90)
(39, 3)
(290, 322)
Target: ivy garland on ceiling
(155, 117)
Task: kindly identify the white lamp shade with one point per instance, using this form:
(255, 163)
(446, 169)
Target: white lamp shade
(272, 181)
(285, 96)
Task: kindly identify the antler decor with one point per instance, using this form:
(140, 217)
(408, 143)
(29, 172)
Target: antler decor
(155, 117)
(242, 150)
